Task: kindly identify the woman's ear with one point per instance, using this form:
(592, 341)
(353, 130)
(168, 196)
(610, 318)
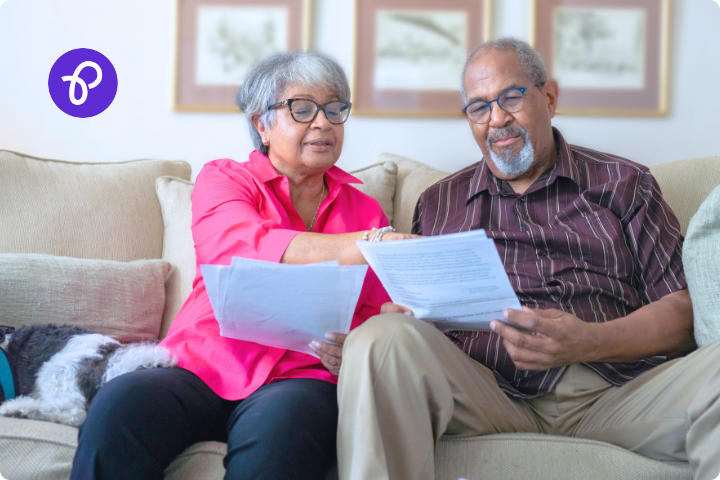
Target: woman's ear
(262, 130)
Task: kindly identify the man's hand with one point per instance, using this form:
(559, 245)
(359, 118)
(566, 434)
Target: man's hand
(330, 354)
(553, 338)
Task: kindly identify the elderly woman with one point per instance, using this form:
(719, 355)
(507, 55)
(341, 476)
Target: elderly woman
(275, 408)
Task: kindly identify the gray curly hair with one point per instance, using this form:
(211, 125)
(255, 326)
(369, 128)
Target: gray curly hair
(272, 75)
(529, 59)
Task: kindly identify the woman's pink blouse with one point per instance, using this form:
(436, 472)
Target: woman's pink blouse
(244, 210)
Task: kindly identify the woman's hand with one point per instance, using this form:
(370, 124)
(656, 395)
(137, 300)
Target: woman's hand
(389, 307)
(330, 354)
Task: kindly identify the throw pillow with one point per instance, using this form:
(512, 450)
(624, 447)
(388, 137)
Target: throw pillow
(122, 300)
(178, 247)
(413, 179)
(379, 182)
(701, 258)
(82, 210)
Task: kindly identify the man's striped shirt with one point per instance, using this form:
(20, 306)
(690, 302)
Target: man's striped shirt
(592, 236)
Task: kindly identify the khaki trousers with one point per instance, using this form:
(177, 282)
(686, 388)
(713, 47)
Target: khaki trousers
(403, 385)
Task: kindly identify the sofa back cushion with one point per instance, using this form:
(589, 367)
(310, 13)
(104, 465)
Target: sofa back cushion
(379, 182)
(85, 210)
(413, 178)
(686, 183)
(178, 247)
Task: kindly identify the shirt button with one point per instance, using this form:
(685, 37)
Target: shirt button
(567, 305)
(523, 198)
(542, 253)
(548, 280)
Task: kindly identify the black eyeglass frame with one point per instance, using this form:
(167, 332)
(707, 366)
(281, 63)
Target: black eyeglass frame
(521, 90)
(290, 101)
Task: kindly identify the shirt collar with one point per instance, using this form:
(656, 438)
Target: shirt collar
(262, 168)
(566, 166)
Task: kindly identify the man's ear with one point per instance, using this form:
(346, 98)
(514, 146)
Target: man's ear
(552, 92)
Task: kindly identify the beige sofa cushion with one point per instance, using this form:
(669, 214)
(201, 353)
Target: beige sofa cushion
(379, 182)
(83, 210)
(123, 300)
(513, 456)
(701, 259)
(178, 247)
(413, 179)
(34, 450)
(686, 183)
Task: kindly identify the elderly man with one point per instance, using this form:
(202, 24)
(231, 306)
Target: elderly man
(594, 255)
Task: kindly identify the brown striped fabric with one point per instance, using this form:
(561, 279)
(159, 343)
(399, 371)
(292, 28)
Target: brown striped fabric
(592, 236)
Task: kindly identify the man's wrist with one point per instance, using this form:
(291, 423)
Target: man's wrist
(603, 341)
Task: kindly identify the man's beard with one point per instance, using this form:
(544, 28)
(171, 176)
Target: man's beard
(506, 161)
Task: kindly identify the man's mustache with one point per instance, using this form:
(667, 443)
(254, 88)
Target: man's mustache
(505, 132)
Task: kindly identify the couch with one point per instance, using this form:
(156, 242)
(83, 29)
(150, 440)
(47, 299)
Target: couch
(129, 211)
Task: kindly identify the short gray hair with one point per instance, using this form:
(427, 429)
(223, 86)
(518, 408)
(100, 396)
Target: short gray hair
(529, 59)
(272, 75)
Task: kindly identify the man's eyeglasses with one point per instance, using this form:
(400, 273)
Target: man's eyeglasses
(305, 111)
(510, 100)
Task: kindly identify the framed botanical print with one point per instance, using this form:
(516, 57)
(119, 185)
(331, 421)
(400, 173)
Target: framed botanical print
(219, 40)
(409, 54)
(610, 57)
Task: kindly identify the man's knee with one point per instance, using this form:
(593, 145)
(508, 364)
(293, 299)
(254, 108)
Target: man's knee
(388, 331)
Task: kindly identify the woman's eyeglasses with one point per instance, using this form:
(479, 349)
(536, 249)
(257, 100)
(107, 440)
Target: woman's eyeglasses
(305, 111)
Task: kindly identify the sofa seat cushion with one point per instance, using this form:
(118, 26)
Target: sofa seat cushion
(523, 455)
(32, 450)
(124, 300)
(83, 210)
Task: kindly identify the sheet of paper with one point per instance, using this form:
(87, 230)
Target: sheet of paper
(280, 305)
(456, 281)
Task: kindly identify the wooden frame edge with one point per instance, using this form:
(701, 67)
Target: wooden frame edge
(664, 90)
(358, 112)
(307, 39)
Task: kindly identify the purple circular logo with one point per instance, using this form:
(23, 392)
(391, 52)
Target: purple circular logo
(83, 83)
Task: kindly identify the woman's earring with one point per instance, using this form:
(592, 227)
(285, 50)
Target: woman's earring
(265, 142)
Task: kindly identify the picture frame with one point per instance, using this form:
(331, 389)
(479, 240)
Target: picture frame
(217, 41)
(610, 57)
(408, 55)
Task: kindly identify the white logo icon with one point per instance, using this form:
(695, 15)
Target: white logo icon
(76, 79)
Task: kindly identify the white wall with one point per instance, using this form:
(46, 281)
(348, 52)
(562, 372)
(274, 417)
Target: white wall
(138, 36)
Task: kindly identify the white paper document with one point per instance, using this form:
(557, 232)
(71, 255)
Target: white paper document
(281, 305)
(457, 281)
